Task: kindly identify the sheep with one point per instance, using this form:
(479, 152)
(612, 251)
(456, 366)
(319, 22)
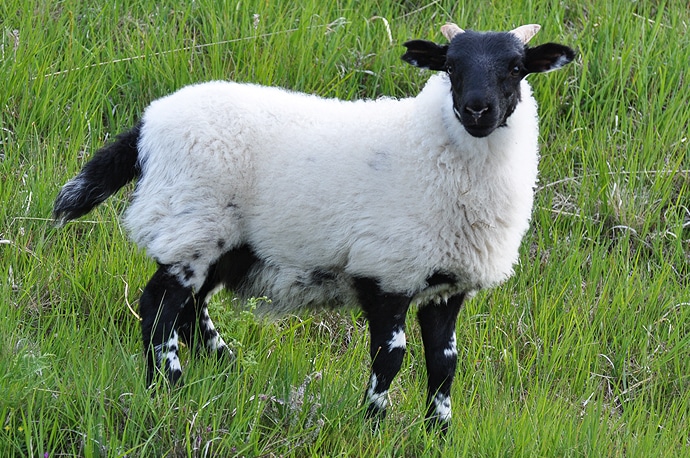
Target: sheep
(316, 202)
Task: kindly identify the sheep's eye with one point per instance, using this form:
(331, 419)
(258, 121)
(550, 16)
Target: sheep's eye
(516, 70)
(449, 70)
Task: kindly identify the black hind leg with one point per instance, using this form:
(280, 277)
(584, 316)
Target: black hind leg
(164, 308)
(199, 331)
(172, 308)
(230, 271)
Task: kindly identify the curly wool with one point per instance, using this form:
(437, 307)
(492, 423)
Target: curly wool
(390, 189)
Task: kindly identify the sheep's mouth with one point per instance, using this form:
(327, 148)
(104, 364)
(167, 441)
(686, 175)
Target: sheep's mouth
(479, 131)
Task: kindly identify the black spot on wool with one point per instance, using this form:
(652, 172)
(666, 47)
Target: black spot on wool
(321, 276)
(188, 272)
(441, 278)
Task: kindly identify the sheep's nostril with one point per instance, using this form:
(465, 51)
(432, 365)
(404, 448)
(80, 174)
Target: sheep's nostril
(476, 111)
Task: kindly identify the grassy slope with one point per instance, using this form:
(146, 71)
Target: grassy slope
(583, 352)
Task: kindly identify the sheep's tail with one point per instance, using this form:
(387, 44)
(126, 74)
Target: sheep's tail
(112, 167)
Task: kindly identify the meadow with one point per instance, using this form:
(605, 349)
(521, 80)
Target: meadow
(584, 352)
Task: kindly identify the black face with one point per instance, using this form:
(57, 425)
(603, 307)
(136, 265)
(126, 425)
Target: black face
(485, 70)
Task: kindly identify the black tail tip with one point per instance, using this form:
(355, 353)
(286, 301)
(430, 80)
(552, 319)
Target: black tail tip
(62, 217)
(75, 199)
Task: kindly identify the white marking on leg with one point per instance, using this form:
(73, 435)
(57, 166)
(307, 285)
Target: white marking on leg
(215, 343)
(173, 362)
(398, 340)
(168, 352)
(442, 405)
(213, 292)
(206, 324)
(158, 351)
(380, 400)
(452, 350)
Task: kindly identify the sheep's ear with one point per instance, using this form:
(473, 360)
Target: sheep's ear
(425, 54)
(547, 57)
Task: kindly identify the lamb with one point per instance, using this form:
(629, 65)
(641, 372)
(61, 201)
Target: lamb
(318, 202)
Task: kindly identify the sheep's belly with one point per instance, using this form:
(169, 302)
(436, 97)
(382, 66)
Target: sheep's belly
(425, 278)
(290, 289)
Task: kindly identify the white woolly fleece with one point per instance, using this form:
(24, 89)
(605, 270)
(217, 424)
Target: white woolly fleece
(390, 189)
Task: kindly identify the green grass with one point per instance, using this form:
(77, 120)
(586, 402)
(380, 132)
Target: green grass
(584, 352)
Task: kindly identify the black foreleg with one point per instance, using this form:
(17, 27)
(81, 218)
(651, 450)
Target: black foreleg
(386, 315)
(437, 322)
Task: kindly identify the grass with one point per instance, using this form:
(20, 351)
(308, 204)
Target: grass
(584, 352)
